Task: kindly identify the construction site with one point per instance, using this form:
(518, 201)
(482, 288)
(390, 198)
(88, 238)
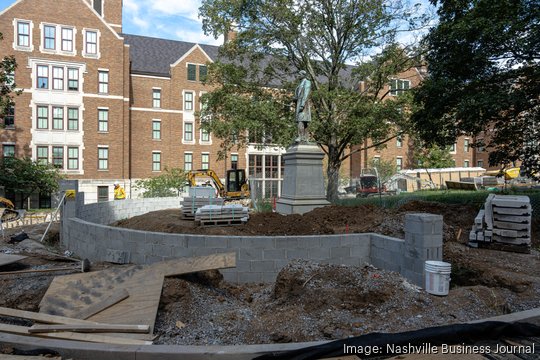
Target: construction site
(288, 295)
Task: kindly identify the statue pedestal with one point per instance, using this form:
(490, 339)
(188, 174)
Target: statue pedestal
(303, 185)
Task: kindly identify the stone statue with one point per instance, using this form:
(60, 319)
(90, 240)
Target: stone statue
(303, 108)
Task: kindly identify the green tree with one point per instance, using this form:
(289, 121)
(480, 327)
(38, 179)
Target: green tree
(170, 183)
(7, 84)
(25, 177)
(385, 168)
(484, 79)
(432, 157)
(276, 39)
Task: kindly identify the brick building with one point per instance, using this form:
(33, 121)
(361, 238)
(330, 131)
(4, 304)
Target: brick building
(105, 106)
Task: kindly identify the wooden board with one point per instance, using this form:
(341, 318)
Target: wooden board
(106, 339)
(6, 259)
(43, 318)
(70, 294)
(103, 328)
(105, 303)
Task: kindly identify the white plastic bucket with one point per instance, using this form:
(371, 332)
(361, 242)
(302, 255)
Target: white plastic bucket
(437, 277)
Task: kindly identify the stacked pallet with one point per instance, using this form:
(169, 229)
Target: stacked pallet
(191, 204)
(504, 220)
(233, 214)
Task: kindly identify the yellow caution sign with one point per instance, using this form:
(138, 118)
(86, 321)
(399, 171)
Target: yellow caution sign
(70, 194)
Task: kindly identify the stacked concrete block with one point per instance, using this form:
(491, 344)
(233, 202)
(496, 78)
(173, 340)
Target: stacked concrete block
(191, 204)
(423, 241)
(222, 215)
(505, 219)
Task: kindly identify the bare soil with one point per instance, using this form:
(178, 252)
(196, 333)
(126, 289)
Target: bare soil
(312, 301)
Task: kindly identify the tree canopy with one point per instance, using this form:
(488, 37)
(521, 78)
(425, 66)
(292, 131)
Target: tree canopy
(170, 183)
(24, 176)
(330, 40)
(484, 79)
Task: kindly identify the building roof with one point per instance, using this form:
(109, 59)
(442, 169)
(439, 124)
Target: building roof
(154, 56)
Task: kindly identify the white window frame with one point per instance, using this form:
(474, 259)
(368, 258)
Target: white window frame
(53, 118)
(154, 162)
(191, 166)
(68, 158)
(203, 162)
(453, 148)
(48, 70)
(184, 95)
(38, 147)
(156, 121)
(103, 110)
(97, 54)
(103, 86)
(38, 127)
(398, 90)
(466, 145)
(16, 45)
(42, 47)
(466, 163)
(156, 99)
(70, 41)
(57, 80)
(62, 166)
(68, 122)
(399, 164)
(102, 147)
(480, 163)
(70, 79)
(192, 141)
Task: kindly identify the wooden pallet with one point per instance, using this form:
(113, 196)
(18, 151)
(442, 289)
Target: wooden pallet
(222, 222)
(524, 249)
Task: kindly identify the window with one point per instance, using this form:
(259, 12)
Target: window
(399, 141)
(9, 117)
(205, 135)
(58, 118)
(188, 131)
(188, 161)
(58, 78)
(103, 158)
(49, 37)
(156, 129)
(156, 161)
(205, 161)
(271, 166)
(156, 98)
(480, 163)
(466, 145)
(73, 119)
(466, 163)
(255, 166)
(103, 120)
(73, 79)
(398, 86)
(58, 156)
(42, 77)
(73, 158)
(453, 148)
(43, 154)
(192, 72)
(10, 79)
(102, 193)
(98, 7)
(103, 79)
(67, 39)
(376, 160)
(8, 150)
(188, 101)
(23, 34)
(203, 72)
(399, 163)
(234, 161)
(91, 42)
(42, 117)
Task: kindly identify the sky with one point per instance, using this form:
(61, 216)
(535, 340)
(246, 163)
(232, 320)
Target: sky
(172, 19)
(168, 19)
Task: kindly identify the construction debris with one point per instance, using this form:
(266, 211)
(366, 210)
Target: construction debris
(6, 259)
(234, 214)
(505, 223)
(191, 204)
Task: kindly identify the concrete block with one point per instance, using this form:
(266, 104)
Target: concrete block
(351, 261)
(308, 242)
(434, 253)
(243, 265)
(137, 258)
(329, 241)
(194, 241)
(219, 242)
(161, 250)
(151, 259)
(231, 277)
(348, 240)
(203, 251)
(280, 264)
(262, 266)
(423, 224)
(286, 242)
(319, 253)
(250, 254)
(138, 236)
(340, 252)
(258, 242)
(251, 277)
(269, 277)
(234, 242)
(274, 254)
(297, 254)
(378, 263)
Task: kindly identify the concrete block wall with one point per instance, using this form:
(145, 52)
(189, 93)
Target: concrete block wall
(259, 258)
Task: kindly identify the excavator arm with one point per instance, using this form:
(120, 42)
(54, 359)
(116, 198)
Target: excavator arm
(194, 174)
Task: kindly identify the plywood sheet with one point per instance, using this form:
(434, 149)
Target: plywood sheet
(6, 259)
(71, 294)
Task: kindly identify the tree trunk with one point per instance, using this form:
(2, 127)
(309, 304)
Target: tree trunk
(332, 173)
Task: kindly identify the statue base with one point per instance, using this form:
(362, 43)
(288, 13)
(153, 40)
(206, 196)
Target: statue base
(303, 184)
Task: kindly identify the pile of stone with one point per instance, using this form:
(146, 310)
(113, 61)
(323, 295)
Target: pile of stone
(505, 219)
(233, 214)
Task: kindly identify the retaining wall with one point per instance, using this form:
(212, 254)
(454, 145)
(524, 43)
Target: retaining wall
(85, 231)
